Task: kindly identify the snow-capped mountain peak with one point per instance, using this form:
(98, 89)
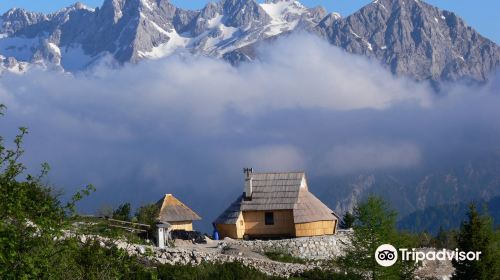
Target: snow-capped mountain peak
(74, 38)
(132, 30)
(285, 15)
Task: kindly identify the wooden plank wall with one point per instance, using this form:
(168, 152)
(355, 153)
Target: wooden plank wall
(255, 223)
(235, 231)
(184, 225)
(240, 226)
(315, 228)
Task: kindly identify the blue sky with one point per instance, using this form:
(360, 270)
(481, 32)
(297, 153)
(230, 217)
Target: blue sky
(483, 16)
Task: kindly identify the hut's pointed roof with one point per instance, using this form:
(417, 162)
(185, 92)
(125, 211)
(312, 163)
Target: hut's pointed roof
(309, 208)
(231, 214)
(279, 191)
(172, 210)
(274, 191)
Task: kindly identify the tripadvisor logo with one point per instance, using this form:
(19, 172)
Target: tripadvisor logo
(387, 255)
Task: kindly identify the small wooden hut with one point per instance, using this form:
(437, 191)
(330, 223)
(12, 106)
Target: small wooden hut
(176, 214)
(276, 205)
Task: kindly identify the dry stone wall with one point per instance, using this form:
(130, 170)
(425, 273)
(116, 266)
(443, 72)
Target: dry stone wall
(312, 248)
(316, 249)
(198, 255)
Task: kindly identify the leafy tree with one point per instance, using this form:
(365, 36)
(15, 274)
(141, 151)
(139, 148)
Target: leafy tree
(32, 242)
(105, 211)
(30, 215)
(347, 221)
(374, 225)
(148, 214)
(122, 212)
(446, 239)
(441, 238)
(477, 234)
(425, 240)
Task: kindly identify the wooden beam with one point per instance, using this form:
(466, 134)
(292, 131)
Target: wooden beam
(130, 229)
(128, 223)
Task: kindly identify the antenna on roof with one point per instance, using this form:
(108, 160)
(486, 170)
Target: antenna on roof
(247, 171)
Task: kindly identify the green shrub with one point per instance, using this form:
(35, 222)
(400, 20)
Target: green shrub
(222, 271)
(91, 261)
(319, 274)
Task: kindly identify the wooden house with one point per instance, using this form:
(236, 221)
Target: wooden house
(176, 214)
(276, 205)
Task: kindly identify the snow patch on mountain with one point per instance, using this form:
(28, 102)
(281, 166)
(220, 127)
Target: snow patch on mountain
(146, 4)
(11, 65)
(278, 10)
(19, 47)
(174, 43)
(74, 59)
(215, 21)
(285, 15)
(53, 47)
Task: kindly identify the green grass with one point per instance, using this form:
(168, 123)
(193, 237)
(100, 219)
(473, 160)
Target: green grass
(283, 257)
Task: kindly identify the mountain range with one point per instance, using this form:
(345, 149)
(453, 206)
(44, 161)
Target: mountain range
(408, 37)
(419, 189)
(447, 216)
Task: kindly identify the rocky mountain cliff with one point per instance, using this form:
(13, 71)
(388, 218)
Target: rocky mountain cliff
(419, 189)
(447, 216)
(410, 37)
(415, 39)
(132, 30)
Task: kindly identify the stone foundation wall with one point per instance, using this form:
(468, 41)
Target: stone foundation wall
(195, 256)
(313, 248)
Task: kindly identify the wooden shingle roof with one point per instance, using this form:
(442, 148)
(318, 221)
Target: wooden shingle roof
(279, 191)
(310, 209)
(172, 210)
(231, 214)
(274, 191)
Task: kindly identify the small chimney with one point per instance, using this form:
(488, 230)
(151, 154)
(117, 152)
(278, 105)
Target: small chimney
(248, 182)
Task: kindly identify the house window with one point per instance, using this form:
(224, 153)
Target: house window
(269, 218)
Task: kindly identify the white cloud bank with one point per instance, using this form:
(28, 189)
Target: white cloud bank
(188, 125)
(369, 157)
